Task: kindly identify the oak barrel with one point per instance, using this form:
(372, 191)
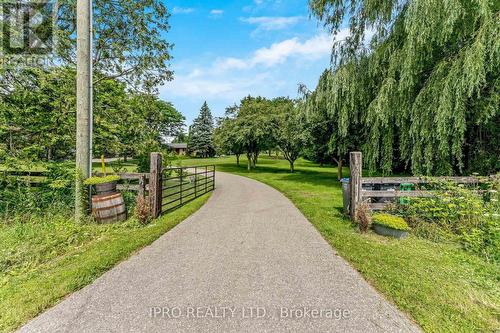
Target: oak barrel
(107, 208)
(106, 188)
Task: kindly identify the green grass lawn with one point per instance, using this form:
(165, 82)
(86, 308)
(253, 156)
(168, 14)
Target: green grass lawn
(443, 288)
(43, 261)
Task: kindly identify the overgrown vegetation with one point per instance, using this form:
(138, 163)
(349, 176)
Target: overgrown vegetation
(465, 214)
(101, 180)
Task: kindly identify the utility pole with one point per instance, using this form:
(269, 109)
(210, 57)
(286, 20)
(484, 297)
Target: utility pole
(84, 102)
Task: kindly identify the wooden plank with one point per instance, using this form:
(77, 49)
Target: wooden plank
(356, 167)
(24, 173)
(131, 187)
(129, 175)
(418, 180)
(396, 194)
(132, 175)
(378, 205)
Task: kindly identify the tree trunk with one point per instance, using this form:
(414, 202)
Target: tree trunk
(269, 152)
(340, 174)
(238, 159)
(292, 168)
(339, 162)
(249, 162)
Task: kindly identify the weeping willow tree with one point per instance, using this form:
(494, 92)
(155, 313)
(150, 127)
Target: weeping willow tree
(423, 93)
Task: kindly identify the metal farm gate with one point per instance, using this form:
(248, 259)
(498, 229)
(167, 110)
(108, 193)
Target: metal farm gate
(180, 185)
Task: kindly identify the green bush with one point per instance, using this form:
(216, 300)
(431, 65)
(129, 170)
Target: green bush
(391, 221)
(101, 180)
(466, 214)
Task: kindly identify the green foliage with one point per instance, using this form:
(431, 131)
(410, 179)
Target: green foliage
(257, 124)
(201, 133)
(129, 42)
(53, 194)
(469, 215)
(289, 132)
(424, 94)
(38, 123)
(101, 180)
(226, 138)
(391, 221)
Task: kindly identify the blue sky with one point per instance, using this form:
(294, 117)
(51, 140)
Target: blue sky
(225, 50)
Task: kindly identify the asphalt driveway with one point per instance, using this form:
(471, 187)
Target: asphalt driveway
(248, 261)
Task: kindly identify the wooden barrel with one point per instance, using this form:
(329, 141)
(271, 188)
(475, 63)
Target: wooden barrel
(106, 188)
(108, 208)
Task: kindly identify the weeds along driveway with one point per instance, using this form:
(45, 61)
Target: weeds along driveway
(248, 261)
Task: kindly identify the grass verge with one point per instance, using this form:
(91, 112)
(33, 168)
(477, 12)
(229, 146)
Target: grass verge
(442, 287)
(43, 261)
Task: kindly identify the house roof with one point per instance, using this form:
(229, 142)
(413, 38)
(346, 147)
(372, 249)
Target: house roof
(178, 145)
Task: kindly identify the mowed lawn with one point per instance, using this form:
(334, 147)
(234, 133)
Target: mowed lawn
(443, 288)
(48, 258)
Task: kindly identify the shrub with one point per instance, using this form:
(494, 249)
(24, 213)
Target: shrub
(391, 221)
(466, 214)
(363, 216)
(101, 180)
(142, 211)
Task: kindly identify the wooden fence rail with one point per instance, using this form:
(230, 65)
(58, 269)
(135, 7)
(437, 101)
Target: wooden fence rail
(363, 189)
(37, 178)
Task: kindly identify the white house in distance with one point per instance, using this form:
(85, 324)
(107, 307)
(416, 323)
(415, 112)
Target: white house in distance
(179, 148)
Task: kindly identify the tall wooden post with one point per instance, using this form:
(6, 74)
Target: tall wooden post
(155, 184)
(356, 167)
(142, 187)
(84, 102)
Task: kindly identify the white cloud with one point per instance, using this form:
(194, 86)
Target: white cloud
(215, 13)
(278, 53)
(266, 23)
(181, 10)
(214, 86)
(262, 72)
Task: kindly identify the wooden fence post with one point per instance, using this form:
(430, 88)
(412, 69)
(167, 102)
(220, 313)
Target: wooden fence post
(155, 184)
(142, 187)
(356, 167)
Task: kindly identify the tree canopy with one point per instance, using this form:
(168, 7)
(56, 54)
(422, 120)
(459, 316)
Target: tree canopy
(424, 92)
(128, 42)
(39, 123)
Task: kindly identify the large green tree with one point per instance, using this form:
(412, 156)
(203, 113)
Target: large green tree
(426, 88)
(129, 42)
(226, 137)
(201, 133)
(290, 133)
(39, 122)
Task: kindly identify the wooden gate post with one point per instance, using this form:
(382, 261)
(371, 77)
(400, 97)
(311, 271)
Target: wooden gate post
(142, 186)
(356, 168)
(155, 184)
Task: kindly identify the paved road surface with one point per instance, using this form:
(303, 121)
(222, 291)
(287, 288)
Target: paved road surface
(248, 261)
